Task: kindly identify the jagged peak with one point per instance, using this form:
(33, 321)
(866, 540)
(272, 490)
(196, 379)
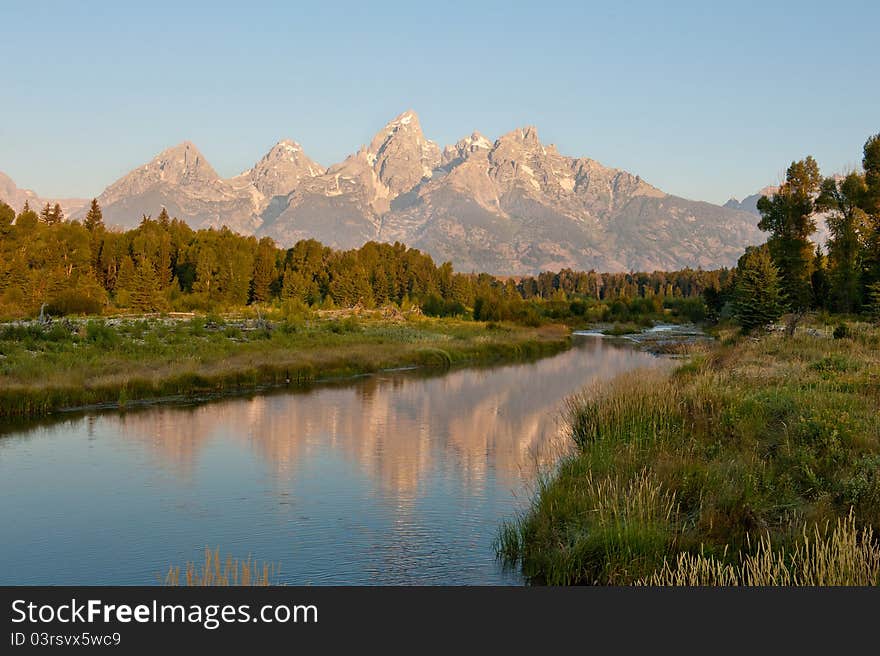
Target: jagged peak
(288, 150)
(183, 147)
(406, 124)
(409, 117)
(181, 162)
(288, 145)
(525, 135)
(475, 140)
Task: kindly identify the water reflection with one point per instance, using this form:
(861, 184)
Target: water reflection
(394, 478)
(396, 426)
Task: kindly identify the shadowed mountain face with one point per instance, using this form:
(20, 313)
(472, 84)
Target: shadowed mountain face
(515, 206)
(750, 203)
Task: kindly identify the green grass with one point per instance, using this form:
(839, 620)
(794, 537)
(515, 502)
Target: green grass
(99, 362)
(749, 442)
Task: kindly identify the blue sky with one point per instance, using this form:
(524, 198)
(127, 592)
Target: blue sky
(704, 100)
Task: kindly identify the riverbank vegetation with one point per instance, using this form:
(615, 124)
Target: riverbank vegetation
(759, 439)
(114, 362)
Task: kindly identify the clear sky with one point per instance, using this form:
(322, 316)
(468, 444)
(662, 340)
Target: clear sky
(705, 100)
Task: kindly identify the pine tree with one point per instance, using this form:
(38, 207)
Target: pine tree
(758, 300)
(145, 292)
(57, 214)
(94, 221)
(294, 286)
(819, 279)
(46, 214)
(264, 271)
(27, 220)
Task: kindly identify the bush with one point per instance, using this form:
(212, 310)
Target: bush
(692, 309)
(488, 308)
(100, 334)
(434, 306)
(73, 301)
(842, 331)
(347, 325)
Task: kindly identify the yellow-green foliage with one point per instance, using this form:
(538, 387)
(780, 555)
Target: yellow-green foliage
(757, 437)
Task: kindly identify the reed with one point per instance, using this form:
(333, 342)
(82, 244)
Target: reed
(846, 556)
(218, 571)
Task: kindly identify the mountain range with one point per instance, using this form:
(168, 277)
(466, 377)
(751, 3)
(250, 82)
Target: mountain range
(510, 206)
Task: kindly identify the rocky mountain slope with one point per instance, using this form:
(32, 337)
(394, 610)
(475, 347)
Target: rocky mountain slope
(512, 206)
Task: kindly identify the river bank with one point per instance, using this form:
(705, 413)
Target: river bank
(398, 478)
(759, 447)
(46, 369)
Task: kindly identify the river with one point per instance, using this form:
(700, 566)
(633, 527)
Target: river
(396, 478)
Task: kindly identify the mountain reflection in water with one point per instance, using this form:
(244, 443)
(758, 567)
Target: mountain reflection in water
(393, 478)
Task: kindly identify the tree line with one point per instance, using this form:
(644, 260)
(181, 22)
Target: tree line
(82, 267)
(789, 272)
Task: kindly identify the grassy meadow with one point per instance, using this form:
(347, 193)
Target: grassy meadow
(757, 462)
(115, 361)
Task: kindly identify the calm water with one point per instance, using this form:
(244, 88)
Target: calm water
(392, 479)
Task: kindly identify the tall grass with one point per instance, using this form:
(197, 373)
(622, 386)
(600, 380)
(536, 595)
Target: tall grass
(620, 519)
(845, 556)
(752, 438)
(217, 571)
(636, 407)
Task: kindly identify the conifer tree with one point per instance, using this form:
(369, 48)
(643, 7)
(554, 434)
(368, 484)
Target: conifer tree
(758, 300)
(145, 292)
(57, 215)
(94, 221)
(819, 279)
(264, 271)
(27, 220)
(46, 214)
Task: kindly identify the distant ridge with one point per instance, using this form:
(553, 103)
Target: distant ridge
(512, 206)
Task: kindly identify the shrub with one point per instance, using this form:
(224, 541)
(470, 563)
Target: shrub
(100, 334)
(74, 301)
(842, 331)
